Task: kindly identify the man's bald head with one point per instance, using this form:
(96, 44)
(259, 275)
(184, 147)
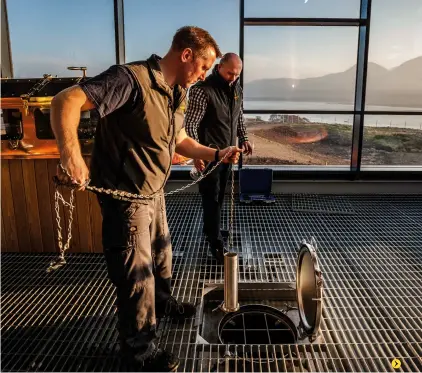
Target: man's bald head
(230, 57)
(230, 67)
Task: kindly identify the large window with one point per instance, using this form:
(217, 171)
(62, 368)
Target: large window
(48, 36)
(300, 68)
(306, 56)
(304, 68)
(395, 55)
(150, 25)
(394, 85)
(300, 81)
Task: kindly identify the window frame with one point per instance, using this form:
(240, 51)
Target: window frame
(355, 170)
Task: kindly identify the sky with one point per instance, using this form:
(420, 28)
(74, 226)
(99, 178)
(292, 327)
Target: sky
(49, 35)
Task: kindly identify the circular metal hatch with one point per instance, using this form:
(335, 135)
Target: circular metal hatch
(256, 324)
(309, 289)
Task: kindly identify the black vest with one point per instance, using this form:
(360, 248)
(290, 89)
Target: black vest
(133, 150)
(219, 125)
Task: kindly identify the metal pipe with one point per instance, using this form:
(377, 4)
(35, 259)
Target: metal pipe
(230, 303)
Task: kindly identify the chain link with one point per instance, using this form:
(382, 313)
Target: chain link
(58, 197)
(121, 195)
(231, 210)
(132, 197)
(38, 86)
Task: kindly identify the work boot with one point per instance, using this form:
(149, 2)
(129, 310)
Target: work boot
(175, 309)
(224, 233)
(160, 361)
(218, 250)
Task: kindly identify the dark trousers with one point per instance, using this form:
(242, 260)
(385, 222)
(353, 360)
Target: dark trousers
(212, 190)
(138, 253)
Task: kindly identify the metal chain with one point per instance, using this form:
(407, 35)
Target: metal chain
(231, 211)
(38, 86)
(58, 197)
(119, 194)
(132, 197)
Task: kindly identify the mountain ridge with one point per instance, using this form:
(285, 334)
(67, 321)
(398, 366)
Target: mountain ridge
(398, 86)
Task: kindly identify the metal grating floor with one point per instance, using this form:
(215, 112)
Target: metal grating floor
(321, 203)
(371, 263)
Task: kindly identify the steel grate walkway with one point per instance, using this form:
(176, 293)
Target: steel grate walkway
(372, 267)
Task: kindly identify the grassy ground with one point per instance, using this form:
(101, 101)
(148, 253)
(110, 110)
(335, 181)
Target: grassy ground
(331, 144)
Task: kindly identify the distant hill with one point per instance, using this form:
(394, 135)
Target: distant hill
(400, 86)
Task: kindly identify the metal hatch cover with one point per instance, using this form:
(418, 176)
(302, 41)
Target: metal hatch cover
(309, 286)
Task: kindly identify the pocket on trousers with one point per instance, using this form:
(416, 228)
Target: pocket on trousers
(126, 267)
(119, 261)
(130, 210)
(121, 222)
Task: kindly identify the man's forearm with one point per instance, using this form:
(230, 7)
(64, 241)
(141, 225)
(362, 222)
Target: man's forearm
(192, 149)
(65, 117)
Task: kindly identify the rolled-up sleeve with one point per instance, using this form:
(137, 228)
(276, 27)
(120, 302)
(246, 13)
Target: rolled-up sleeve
(110, 90)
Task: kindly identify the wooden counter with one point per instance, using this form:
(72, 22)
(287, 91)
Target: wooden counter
(28, 215)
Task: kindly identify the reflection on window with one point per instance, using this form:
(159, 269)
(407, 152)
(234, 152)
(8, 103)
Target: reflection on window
(395, 56)
(306, 139)
(47, 36)
(86, 129)
(392, 140)
(219, 17)
(297, 68)
(302, 8)
(11, 124)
